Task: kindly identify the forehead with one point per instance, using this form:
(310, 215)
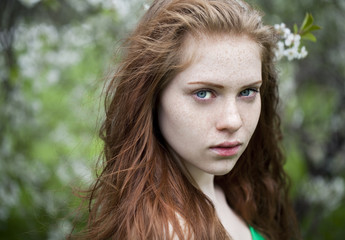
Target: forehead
(222, 56)
(195, 45)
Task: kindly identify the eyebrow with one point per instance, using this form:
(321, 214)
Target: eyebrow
(253, 83)
(208, 83)
(220, 86)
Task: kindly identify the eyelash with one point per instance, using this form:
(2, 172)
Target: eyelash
(254, 90)
(213, 95)
(195, 94)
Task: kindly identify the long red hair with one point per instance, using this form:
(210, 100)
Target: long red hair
(141, 192)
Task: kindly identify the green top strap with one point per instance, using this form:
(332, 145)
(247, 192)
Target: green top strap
(255, 234)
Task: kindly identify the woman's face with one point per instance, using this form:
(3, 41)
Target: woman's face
(209, 111)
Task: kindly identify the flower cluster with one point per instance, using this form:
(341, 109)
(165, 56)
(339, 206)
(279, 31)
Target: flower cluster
(289, 44)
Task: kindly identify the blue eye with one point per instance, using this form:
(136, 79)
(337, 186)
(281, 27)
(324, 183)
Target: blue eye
(248, 92)
(203, 94)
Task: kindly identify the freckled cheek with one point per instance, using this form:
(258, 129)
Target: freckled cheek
(250, 115)
(183, 122)
(174, 118)
(185, 117)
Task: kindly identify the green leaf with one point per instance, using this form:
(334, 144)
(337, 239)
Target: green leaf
(307, 22)
(304, 21)
(310, 29)
(295, 28)
(314, 27)
(309, 36)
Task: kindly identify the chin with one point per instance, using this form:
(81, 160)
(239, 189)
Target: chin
(222, 173)
(223, 170)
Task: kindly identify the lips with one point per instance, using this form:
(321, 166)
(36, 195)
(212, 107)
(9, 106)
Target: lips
(226, 149)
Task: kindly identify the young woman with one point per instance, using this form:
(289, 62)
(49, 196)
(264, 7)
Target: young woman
(191, 135)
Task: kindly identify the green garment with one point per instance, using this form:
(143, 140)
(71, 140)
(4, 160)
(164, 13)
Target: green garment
(255, 234)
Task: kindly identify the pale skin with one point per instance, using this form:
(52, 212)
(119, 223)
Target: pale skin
(209, 112)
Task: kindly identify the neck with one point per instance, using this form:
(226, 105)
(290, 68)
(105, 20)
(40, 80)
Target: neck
(205, 182)
(206, 185)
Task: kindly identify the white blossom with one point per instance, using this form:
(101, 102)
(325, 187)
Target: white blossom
(291, 53)
(289, 45)
(286, 32)
(326, 192)
(59, 230)
(146, 6)
(303, 52)
(279, 27)
(53, 76)
(279, 53)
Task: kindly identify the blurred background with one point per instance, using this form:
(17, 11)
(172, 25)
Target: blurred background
(54, 56)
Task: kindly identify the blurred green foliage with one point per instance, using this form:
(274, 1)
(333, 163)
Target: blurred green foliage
(54, 57)
(312, 98)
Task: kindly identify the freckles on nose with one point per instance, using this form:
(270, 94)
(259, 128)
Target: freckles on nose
(229, 119)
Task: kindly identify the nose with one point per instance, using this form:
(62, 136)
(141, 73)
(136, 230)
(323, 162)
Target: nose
(229, 118)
